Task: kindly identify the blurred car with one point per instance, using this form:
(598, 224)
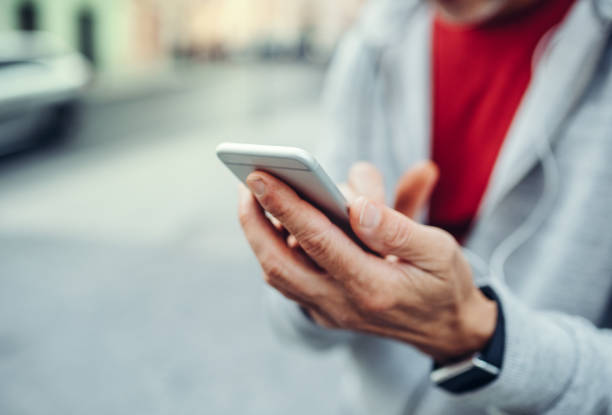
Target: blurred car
(41, 84)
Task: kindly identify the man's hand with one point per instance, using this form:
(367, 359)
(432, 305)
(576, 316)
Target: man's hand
(419, 290)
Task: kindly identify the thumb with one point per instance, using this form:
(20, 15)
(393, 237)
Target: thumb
(414, 188)
(388, 232)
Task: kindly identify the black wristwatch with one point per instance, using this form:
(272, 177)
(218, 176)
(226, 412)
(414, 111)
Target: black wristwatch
(482, 368)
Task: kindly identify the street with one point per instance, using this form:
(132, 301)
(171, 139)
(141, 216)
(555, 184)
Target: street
(126, 286)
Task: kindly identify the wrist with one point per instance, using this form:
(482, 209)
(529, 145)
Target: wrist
(482, 366)
(477, 323)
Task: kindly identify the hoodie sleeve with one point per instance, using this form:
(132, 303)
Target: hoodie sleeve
(293, 327)
(553, 364)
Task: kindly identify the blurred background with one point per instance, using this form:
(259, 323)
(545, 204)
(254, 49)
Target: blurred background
(126, 286)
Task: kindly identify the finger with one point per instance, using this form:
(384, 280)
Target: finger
(276, 223)
(366, 180)
(414, 188)
(292, 242)
(282, 266)
(322, 241)
(389, 232)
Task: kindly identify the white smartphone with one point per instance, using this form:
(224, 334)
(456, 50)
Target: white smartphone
(294, 166)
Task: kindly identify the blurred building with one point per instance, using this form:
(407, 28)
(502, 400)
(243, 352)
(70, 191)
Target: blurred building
(114, 34)
(125, 35)
(265, 25)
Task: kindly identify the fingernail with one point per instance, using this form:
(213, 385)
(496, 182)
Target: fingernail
(257, 186)
(370, 215)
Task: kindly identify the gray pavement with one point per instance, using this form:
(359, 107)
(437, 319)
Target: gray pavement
(125, 284)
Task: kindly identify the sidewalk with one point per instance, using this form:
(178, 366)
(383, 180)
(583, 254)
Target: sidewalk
(109, 87)
(179, 77)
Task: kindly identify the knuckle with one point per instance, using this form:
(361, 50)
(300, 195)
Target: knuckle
(448, 251)
(353, 269)
(315, 241)
(273, 271)
(345, 319)
(274, 205)
(376, 303)
(396, 236)
(269, 280)
(274, 280)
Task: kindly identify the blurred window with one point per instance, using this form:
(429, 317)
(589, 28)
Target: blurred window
(86, 34)
(27, 14)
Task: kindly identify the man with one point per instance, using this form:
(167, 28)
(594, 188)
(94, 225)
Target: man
(512, 100)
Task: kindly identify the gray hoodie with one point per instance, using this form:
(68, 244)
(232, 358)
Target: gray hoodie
(543, 236)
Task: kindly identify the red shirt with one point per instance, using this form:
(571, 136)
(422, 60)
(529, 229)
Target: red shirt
(480, 74)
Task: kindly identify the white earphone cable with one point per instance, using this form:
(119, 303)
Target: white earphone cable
(536, 218)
